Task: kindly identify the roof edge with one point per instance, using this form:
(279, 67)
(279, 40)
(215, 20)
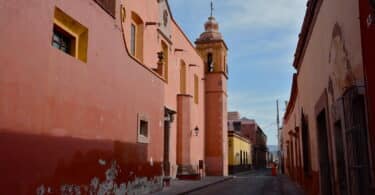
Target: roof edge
(292, 98)
(312, 11)
(179, 28)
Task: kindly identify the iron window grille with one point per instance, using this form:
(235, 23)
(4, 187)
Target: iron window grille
(63, 41)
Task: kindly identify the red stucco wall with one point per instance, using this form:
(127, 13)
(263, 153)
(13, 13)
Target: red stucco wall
(60, 117)
(368, 49)
(249, 131)
(185, 132)
(216, 133)
(332, 33)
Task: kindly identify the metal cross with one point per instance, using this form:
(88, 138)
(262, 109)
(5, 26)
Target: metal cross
(212, 7)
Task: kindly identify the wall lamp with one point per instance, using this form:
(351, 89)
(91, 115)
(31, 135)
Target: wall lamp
(196, 131)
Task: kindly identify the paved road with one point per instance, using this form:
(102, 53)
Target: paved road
(253, 183)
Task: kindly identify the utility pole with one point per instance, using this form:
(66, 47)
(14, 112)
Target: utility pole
(278, 135)
(278, 124)
(278, 117)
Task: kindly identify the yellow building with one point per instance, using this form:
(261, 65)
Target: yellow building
(239, 153)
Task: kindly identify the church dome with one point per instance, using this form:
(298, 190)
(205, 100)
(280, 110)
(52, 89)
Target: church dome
(211, 25)
(211, 31)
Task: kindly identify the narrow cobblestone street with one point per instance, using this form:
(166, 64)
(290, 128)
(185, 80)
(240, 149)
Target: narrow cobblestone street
(255, 182)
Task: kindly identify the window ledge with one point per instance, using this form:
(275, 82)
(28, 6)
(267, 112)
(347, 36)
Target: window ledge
(143, 140)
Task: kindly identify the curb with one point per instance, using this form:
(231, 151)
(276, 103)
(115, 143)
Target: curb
(204, 186)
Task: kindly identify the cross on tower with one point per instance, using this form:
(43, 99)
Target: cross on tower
(212, 7)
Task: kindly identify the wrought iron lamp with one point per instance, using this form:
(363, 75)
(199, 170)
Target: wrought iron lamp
(196, 131)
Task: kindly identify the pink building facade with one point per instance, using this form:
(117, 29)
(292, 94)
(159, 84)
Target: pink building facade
(327, 145)
(95, 93)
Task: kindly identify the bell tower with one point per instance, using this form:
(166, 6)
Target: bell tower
(213, 50)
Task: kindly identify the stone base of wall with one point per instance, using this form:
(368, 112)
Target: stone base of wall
(311, 183)
(187, 172)
(189, 177)
(42, 164)
(214, 166)
(308, 181)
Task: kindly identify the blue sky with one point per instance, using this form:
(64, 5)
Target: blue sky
(262, 37)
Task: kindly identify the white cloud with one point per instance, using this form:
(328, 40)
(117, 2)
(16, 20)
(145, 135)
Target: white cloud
(260, 14)
(252, 48)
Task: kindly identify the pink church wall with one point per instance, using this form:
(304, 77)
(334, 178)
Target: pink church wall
(62, 121)
(176, 42)
(71, 121)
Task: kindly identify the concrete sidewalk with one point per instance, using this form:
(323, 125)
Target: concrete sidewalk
(186, 186)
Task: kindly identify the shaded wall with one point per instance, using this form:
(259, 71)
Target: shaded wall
(331, 63)
(368, 48)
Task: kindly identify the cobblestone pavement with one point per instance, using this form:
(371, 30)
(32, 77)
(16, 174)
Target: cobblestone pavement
(253, 183)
